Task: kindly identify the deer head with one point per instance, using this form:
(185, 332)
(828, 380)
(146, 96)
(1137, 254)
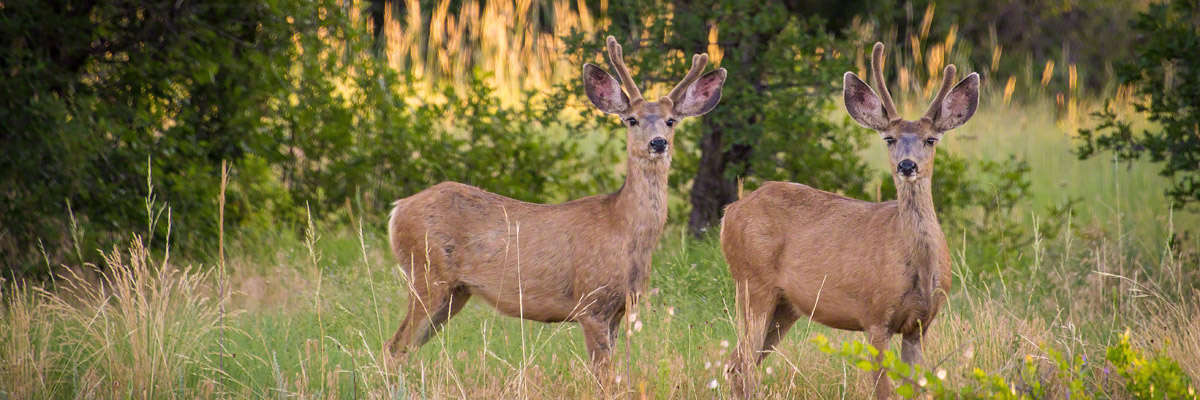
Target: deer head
(651, 125)
(910, 144)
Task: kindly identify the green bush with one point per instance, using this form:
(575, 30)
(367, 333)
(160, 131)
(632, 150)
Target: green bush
(105, 106)
(1163, 72)
(1157, 377)
(1153, 377)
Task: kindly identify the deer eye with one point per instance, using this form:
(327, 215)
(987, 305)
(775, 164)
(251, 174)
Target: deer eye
(890, 140)
(632, 121)
(931, 141)
(670, 122)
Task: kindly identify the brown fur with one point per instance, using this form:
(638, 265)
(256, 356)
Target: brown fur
(882, 268)
(578, 261)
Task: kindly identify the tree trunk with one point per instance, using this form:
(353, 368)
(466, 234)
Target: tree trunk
(376, 10)
(713, 188)
(711, 191)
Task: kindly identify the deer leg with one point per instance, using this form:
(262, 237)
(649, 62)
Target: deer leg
(758, 311)
(429, 306)
(598, 338)
(780, 323)
(879, 337)
(910, 348)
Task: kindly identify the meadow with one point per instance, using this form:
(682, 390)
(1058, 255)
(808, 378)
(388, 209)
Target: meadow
(305, 315)
(1082, 284)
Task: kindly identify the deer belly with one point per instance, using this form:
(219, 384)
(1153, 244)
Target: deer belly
(835, 316)
(528, 303)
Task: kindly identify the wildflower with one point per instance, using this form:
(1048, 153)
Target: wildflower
(671, 311)
(725, 344)
(637, 326)
(708, 365)
(713, 384)
(633, 317)
(922, 382)
(770, 370)
(941, 374)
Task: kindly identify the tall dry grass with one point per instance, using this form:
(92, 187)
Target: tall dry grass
(139, 328)
(505, 38)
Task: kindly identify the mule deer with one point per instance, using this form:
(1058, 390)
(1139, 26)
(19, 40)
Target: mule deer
(578, 261)
(882, 268)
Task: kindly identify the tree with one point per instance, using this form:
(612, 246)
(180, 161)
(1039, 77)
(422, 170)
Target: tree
(1165, 72)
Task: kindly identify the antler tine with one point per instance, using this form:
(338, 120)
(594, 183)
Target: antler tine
(877, 75)
(618, 63)
(699, 61)
(947, 81)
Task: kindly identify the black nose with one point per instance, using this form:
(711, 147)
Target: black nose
(658, 145)
(907, 167)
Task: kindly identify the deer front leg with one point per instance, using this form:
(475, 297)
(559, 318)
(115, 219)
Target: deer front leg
(598, 337)
(910, 349)
(879, 337)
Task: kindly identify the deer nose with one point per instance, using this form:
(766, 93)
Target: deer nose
(658, 145)
(907, 167)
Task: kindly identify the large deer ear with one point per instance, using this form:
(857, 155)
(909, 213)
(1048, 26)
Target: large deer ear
(959, 105)
(702, 96)
(862, 103)
(603, 90)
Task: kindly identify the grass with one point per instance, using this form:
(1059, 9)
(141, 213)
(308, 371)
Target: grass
(309, 312)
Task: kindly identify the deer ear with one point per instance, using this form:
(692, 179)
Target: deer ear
(702, 96)
(959, 105)
(603, 90)
(862, 103)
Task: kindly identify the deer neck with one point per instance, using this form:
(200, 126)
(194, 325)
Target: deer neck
(920, 233)
(642, 200)
(642, 206)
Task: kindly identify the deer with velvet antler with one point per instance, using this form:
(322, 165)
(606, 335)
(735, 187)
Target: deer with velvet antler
(579, 261)
(882, 268)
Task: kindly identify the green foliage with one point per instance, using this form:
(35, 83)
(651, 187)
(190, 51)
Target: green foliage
(1163, 71)
(909, 380)
(1156, 377)
(287, 92)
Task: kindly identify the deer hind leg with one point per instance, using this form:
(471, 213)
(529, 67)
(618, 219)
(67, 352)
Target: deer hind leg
(783, 319)
(758, 311)
(879, 337)
(430, 304)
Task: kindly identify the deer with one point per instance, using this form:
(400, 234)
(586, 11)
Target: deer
(881, 268)
(580, 261)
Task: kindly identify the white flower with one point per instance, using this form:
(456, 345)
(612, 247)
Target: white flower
(725, 343)
(770, 370)
(670, 310)
(637, 326)
(713, 384)
(941, 374)
(708, 365)
(632, 317)
(618, 379)
(922, 382)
